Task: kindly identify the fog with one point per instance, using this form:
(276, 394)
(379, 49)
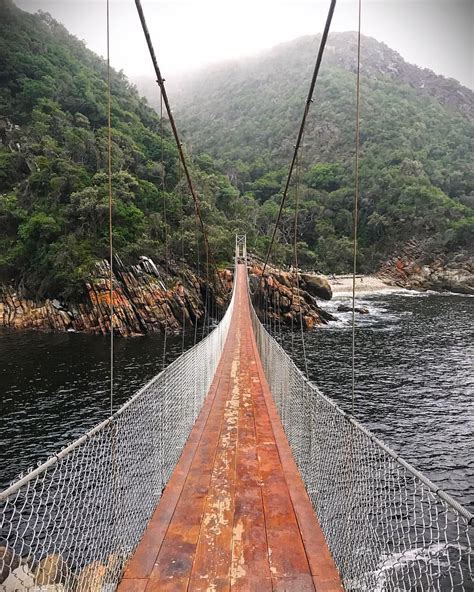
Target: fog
(188, 34)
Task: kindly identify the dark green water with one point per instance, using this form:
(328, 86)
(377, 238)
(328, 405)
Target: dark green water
(55, 387)
(414, 376)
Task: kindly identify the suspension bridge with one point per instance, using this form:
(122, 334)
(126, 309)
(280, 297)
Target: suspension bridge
(230, 470)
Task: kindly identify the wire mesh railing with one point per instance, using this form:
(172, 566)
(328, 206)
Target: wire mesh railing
(72, 523)
(387, 526)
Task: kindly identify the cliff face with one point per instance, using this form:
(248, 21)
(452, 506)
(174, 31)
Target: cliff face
(152, 298)
(147, 298)
(415, 267)
(280, 297)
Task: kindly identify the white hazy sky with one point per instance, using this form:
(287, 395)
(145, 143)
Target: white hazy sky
(436, 34)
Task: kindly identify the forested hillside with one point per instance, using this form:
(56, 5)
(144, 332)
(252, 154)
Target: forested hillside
(417, 140)
(53, 158)
(417, 173)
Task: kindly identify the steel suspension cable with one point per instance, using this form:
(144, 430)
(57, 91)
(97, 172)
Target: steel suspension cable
(111, 246)
(198, 258)
(181, 205)
(161, 83)
(356, 203)
(206, 301)
(309, 100)
(165, 221)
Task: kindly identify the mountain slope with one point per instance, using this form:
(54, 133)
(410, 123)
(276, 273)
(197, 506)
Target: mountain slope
(417, 140)
(250, 108)
(53, 161)
(416, 166)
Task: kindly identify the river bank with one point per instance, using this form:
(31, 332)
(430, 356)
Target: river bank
(419, 266)
(341, 285)
(147, 297)
(160, 297)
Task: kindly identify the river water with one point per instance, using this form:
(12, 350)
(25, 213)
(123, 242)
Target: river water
(55, 387)
(414, 378)
(415, 386)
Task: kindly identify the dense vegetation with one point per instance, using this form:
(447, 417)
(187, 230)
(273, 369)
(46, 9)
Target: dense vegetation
(53, 184)
(417, 140)
(417, 174)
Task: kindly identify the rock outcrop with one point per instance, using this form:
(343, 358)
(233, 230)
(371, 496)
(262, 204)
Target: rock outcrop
(279, 298)
(150, 298)
(9, 561)
(53, 574)
(416, 267)
(316, 285)
(52, 569)
(92, 578)
(146, 297)
(358, 309)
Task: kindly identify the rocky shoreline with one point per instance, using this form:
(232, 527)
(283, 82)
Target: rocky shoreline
(416, 267)
(147, 298)
(53, 574)
(151, 297)
(280, 297)
(154, 297)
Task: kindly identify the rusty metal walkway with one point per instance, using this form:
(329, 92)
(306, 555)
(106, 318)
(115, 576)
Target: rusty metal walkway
(235, 514)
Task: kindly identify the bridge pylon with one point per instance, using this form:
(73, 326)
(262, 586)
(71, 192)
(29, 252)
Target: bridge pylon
(241, 248)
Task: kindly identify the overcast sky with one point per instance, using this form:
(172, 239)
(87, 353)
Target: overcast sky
(437, 34)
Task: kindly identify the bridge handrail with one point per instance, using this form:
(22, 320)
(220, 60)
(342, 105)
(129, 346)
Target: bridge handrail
(76, 518)
(18, 483)
(351, 419)
(388, 526)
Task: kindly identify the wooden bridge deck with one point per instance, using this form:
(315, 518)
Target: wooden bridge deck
(235, 514)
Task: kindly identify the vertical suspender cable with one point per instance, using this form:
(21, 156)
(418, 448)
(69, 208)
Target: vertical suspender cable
(296, 263)
(205, 324)
(356, 205)
(165, 338)
(198, 275)
(182, 249)
(111, 247)
(165, 221)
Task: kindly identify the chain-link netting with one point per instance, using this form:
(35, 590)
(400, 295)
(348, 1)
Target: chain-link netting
(71, 524)
(388, 527)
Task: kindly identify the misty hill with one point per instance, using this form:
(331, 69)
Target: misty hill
(417, 173)
(53, 161)
(253, 107)
(417, 138)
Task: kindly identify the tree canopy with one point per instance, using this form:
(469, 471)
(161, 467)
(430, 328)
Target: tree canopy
(416, 168)
(53, 162)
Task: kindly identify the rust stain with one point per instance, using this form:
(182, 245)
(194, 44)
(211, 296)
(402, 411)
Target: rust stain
(235, 515)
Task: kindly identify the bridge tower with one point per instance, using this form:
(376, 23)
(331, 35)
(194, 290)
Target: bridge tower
(241, 248)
